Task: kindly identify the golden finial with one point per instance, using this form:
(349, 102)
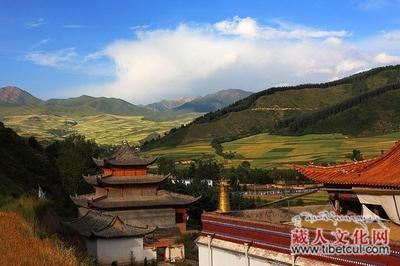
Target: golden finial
(224, 205)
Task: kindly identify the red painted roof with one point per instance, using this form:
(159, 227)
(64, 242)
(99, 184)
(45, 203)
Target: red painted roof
(380, 172)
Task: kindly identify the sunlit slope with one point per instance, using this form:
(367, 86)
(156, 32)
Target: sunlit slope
(261, 111)
(105, 128)
(265, 150)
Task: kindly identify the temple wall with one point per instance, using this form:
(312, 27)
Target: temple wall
(100, 191)
(150, 190)
(121, 250)
(121, 171)
(153, 217)
(126, 191)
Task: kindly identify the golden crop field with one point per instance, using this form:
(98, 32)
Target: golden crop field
(105, 129)
(264, 150)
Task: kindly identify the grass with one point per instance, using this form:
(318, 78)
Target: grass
(198, 150)
(23, 243)
(20, 246)
(105, 129)
(265, 150)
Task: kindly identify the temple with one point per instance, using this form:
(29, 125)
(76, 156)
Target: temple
(267, 236)
(369, 187)
(126, 190)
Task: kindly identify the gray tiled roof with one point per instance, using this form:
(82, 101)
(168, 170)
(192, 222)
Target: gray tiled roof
(97, 224)
(125, 155)
(163, 198)
(124, 180)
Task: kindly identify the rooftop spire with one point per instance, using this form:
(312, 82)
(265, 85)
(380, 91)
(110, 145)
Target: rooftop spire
(224, 205)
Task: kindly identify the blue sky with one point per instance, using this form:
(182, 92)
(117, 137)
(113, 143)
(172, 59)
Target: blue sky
(144, 51)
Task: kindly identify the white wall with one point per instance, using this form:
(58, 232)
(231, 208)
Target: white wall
(222, 257)
(119, 249)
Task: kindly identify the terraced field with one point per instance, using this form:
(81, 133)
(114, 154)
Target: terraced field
(269, 150)
(264, 150)
(105, 129)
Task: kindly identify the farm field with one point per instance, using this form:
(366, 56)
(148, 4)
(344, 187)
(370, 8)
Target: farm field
(318, 198)
(264, 150)
(105, 129)
(197, 150)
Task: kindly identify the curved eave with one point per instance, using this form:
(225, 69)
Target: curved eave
(82, 202)
(98, 162)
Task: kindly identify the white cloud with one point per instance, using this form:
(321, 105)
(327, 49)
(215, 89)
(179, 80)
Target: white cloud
(384, 58)
(234, 53)
(54, 59)
(69, 60)
(249, 28)
(36, 23)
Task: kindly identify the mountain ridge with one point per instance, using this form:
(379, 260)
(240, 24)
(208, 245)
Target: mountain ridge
(13, 95)
(214, 101)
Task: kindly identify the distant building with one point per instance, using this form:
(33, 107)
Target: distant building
(187, 182)
(264, 236)
(127, 191)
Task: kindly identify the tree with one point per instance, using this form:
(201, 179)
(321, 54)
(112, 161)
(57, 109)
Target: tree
(166, 166)
(74, 159)
(356, 155)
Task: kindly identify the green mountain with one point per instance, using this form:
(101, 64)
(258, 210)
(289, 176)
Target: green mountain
(166, 105)
(15, 101)
(214, 101)
(274, 109)
(88, 105)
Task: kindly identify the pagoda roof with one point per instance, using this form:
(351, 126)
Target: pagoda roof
(97, 224)
(163, 199)
(125, 155)
(124, 180)
(382, 172)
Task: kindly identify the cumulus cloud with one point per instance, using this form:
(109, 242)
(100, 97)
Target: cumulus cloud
(249, 28)
(384, 58)
(234, 53)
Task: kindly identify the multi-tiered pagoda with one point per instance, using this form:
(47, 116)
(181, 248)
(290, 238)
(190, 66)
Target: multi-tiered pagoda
(125, 189)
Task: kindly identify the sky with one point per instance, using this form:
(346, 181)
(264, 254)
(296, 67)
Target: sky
(145, 51)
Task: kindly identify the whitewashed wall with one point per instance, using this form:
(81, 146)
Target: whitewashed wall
(119, 249)
(222, 257)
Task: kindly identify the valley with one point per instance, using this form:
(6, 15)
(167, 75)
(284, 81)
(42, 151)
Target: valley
(104, 128)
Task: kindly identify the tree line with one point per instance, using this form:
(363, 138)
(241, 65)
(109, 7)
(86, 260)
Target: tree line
(297, 125)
